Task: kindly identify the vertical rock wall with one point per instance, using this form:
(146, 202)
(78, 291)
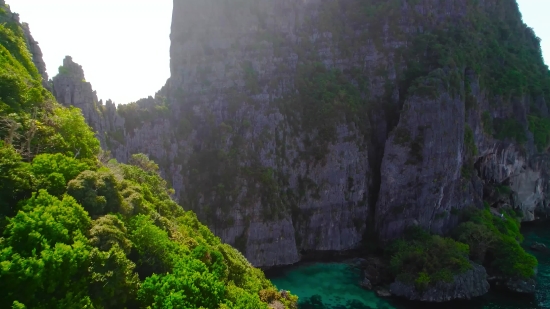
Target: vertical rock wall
(294, 126)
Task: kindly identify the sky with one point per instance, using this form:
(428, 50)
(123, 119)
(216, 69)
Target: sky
(123, 45)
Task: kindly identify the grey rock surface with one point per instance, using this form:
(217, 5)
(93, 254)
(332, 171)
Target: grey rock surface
(516, 285)
(232, 134)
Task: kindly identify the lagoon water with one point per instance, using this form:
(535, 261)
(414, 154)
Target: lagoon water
(335, 285)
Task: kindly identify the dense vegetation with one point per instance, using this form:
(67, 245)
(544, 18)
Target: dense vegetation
(477, 58)
(78, 231)
(425, 259)
(494, 241)
(485, 237)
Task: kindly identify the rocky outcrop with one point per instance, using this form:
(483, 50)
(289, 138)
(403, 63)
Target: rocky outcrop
(301, 126)
(422, 166)
(537, 246)
(71, 89)
(468, 285)
(523, 176)
(517, 285)
(36, 53)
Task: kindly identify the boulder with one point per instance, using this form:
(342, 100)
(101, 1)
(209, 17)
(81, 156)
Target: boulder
(382, 292)
(537, 246)
(517, 285)
(366, 284)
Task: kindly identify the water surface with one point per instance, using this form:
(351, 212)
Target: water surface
(335, 285)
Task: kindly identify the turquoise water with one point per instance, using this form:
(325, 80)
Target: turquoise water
(335, 286)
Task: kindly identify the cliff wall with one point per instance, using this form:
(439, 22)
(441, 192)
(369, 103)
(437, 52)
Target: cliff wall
(295, 126)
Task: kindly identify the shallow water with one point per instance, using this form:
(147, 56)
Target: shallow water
(335, 285)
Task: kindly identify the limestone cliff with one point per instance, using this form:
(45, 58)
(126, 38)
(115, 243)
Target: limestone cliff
(71, 89)
(293, 126)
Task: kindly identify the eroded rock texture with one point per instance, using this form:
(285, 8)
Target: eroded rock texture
(292, 126)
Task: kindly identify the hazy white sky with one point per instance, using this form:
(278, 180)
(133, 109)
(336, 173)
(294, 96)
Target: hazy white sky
(123, 45)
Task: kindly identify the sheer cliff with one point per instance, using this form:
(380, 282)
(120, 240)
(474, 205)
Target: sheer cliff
(294, 126)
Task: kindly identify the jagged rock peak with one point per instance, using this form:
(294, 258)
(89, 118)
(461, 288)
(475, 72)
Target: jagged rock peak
(71, 89)
(72, 69)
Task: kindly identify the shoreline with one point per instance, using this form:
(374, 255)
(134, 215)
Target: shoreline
(353, 258)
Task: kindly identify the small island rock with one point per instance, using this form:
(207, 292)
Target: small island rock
(468, 285)
(537, 246)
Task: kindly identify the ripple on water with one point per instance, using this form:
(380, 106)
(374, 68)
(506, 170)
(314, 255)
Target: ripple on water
(335, 285)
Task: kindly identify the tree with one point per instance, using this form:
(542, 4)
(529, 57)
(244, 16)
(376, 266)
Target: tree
(190, 285)
(96, 191)
(15, 180)
(142, 161)
(69, 167)
(112, 282)
(72, 137)
(44, 254)
(109, 231)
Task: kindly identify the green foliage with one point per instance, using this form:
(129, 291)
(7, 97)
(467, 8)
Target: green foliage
(505, 190)
(73, 137)
(44, 250)
(15, 180)
(142, 161)
(144, 110)
(509, 129)
(326, 95)
(190, 285)
(96, 191)
(326, 98)
(487, 121)
(478, 237)
(52, 171)
(128, 258)
(109, 231)
(113, 282)
(63, 70)
(469, 142)
(79, 234)
(495, 241)
(425, 259)
(157, 254)
(541, 131)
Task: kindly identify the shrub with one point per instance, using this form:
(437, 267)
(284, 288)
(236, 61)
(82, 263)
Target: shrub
(425, 259)
(495, 242)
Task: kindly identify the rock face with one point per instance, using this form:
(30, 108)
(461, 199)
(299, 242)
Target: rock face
(422, 166)
(36, 53)
(466, 286)
(294, 126)
(71, 89)
(523, 286)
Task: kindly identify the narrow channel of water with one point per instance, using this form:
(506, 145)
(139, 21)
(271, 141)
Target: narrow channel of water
(335, 285)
